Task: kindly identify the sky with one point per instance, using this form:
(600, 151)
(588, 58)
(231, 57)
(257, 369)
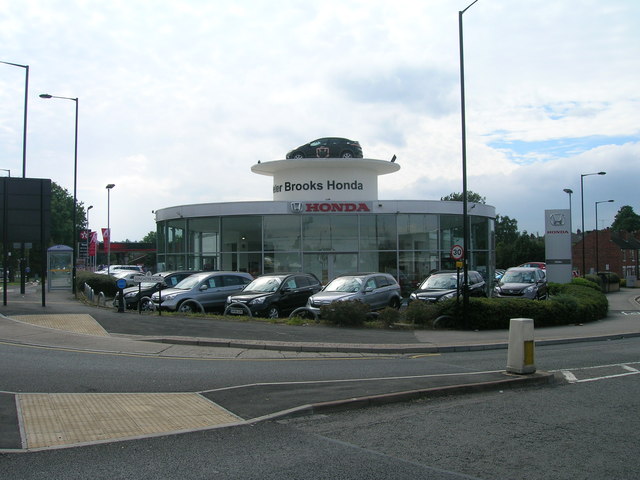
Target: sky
(177, 100)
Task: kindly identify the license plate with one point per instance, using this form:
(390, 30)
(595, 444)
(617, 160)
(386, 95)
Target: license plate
(236, 311)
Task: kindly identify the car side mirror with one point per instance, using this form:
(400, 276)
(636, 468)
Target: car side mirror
(203, 287)
(285, 289)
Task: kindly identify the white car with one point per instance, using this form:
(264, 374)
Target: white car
(119, 268)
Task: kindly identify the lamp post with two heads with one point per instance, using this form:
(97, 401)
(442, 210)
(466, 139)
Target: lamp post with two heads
(75, 192)
(597, 251)
(582, 208)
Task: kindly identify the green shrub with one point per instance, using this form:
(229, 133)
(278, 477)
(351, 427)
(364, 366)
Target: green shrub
(421, 313)
(99, 283)
(388, 316)
(349, 313)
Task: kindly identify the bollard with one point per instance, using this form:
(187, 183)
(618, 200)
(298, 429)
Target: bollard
(521, 353)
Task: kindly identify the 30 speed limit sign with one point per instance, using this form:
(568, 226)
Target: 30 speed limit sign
(457, 252)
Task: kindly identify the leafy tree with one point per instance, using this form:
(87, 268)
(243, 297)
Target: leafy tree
(150, 237)
(506, 229)
(626, 219)
(471, 197)
(62, 216)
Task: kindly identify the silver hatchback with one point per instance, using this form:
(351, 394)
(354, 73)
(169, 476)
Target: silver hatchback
(378, 290)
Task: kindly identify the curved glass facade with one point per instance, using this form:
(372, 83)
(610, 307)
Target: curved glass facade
(406, 245)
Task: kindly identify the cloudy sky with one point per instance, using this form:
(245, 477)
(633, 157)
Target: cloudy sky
(177, 100)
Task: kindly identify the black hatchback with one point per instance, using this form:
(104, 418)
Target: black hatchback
(448, 284)
(330, 147)
(273, 295)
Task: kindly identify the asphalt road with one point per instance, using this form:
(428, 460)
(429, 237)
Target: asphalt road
(586, 429)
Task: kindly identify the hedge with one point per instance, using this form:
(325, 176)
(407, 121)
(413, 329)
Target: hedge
(99, 283)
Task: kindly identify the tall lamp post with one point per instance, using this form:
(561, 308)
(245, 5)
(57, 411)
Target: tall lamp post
(24, 161)
(597, 251)
(569, 192)
(75, 191)
(88, 237)
(465, 214)
(582, 211)
(109, 187)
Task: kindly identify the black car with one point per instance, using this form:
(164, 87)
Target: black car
(133, 294)
(330, 147)
(273, 295)
(448, 284)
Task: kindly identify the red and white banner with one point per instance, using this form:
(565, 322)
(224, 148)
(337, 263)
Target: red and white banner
(106, 237)
(93, 243)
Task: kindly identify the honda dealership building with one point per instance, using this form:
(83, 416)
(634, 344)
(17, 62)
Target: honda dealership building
(325, 218)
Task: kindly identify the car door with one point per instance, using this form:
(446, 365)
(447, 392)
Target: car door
(231, 284)
(373, 295)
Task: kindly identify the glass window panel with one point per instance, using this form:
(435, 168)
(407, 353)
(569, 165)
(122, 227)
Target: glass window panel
(344, 233)
(282, 262)
(385, 262)
(281, 232)
(242, 233)
(378, 232)
(418, 232)
(316, 232)
(451, 232)
(175, 236)
(415, 267)
(479, 233)
(204, 235)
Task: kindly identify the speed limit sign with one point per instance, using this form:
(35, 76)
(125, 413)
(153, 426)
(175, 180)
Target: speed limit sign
(457, 252)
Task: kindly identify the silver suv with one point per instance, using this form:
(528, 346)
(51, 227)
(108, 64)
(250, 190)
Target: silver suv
(201, 291)
(378, 290)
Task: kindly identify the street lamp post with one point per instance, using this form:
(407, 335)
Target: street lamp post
(75, 191)
(109, 187)
(582, 211)
(597, 259)
(24, 161)
(88, 237)
(465, 214)
(569, 192)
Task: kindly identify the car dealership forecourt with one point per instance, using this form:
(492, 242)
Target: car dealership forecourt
(326, 219)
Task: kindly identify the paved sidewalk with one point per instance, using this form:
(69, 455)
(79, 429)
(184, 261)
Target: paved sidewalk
(30, 421)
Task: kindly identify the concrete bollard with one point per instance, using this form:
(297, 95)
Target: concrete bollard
(521, 353)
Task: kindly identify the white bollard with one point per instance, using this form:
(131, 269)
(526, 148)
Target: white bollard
(521, 353)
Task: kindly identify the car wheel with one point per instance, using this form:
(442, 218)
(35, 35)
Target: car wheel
(190, 306)
(273, 312)
(394, 303)
(346, 154)
(297, 155)
(146, 305)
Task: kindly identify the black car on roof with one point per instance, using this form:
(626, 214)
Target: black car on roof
(447, 284)
(329, 147)
(273, 295)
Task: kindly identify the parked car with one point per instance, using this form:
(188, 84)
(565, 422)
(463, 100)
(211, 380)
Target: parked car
(522, 282)
(127, 275)
(378, 290)
(118, 268)
(273, 295)
(145, 289)
(331, 147)
(448, 284)
(201, 291)
(540, 265)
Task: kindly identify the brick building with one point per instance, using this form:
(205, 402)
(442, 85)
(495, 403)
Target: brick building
(617, 252)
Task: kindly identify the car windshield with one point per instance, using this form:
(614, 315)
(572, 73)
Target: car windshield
(518, 277)
(264, 284)
(344, 284)
(189, 282)
(440, 281)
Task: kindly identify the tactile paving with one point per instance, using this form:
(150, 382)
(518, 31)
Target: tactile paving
(57, 419)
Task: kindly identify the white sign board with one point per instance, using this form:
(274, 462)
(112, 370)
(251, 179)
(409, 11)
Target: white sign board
(557, 243)
(148, 279)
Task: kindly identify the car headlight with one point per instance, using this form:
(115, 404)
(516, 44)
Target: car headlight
(447, 296)
(413, 296)
(530, 289)
(171, 296)
(257, 301)
(130, 294)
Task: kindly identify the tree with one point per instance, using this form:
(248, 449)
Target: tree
(471, 197)
(150, 237)
(62, 216)
(506, 229)
(626, 219)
